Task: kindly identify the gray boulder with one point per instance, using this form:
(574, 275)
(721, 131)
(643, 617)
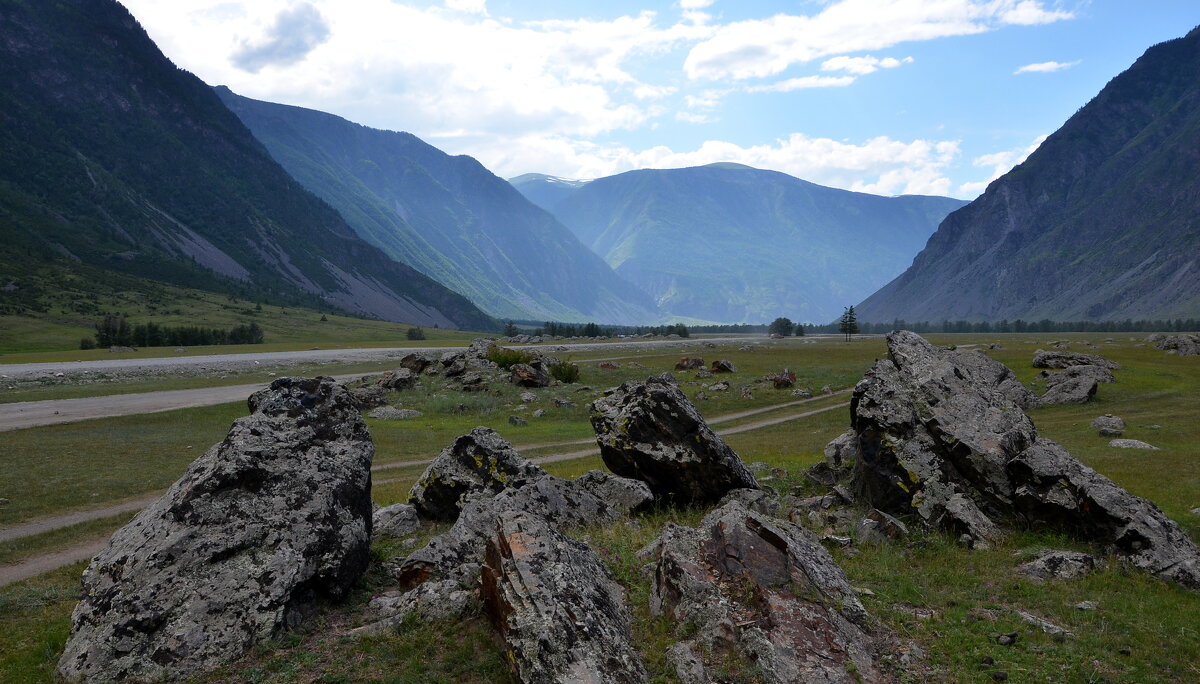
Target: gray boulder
(1063, 565)
(723, 366)
(368, 397)
(622, 493)
(650, 431)
(1131, 444)
(689, 363)
(1075, 390)
(1185, 344)
(878, 527)
(240, 549)
(1108, 420)
(529, 374)
(1053, 488)
(399, 379)
(1098, 373)
(767, 589)
(395, 521)
(985, 370)
(416, 362)
(393, 413)
(1065, 359)
(480, 462)
(934, 439)
(560, 614)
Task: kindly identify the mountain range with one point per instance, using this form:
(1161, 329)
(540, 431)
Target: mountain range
(731, 243)
(446, 216)
(1101, 222)
(116, 160)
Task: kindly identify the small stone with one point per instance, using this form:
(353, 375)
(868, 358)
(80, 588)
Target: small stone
(4, 502)
(517, 421)
(1086, 605)
(563, 403)
(988, 661)
(1110, 432)
(1000, 675)
(1007, 639)
(539, 413)
(1108, 420)
(528, 397)
(1124, 651)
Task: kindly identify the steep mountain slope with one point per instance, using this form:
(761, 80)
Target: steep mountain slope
(546, 191)
(116, 159)
(447, 216)
(1102, 222)
(731, 243)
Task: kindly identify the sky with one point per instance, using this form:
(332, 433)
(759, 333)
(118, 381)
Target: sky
(935, 97)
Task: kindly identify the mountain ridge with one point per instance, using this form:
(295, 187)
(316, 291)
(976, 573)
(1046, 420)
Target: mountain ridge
(746, 244)
(116, 158)
(1101, 222)
(447, 216)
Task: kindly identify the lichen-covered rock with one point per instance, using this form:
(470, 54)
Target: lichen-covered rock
(1063, 565)
(934, 439)
(399, 379)
(622, 493)
(456, 554)
(1098, 373)
(560, 614)
(395, 521)
(1065, 359)
(878, 527)
(650, 431)
(689, 363)
(365, 398)
(1053, 487)
(479, 462)
(529, 374)
(241, 548)
(985, 370)
(767, 589)
(1072, 390)
(393, 413)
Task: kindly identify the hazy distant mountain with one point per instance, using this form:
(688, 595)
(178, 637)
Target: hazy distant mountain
(447, 216)
(546, 191)
(1101, 222)
(114, 158)
(731, 243)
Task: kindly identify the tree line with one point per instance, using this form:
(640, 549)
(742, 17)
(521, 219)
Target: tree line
(594, 329)
(116, 331)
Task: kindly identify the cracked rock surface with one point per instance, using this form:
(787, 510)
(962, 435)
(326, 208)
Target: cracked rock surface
(267, 522)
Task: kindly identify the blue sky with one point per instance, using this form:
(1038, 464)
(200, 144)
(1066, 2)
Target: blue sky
(884, 96)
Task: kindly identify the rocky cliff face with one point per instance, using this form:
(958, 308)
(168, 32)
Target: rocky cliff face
(1102, 222)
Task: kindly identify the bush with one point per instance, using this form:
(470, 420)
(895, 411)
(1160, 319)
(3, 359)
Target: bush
(87, 343)
(415, 333)
(566, 372)
(506, 358)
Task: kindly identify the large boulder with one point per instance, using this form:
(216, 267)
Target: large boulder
(1069, 390)
(1053, 487)
(1185, 344)
(650, 431)
(240, 549)
(957, 454)
(397, 520)
(399, 379)
(1066, 359)
(480, 462)
(985, 370)
(766, 589)
(934, 438)
(561, 615)
(689, 363)
(416, 362)
(622, 493)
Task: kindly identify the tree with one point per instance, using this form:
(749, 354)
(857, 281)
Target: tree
(781, 326)
(848, 325)
(799, 330)
(415, 333)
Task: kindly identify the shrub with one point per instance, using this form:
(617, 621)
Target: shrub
(87, 343)
(415, 333)
(565, 372)
(506, 358)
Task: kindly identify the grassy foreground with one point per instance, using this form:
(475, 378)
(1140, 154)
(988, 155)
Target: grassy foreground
(947, 600)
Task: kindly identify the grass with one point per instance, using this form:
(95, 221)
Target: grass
(971, 594)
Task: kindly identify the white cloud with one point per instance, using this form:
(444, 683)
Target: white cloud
(691, 117)
(759, 48)
(862, 65)
(1001, 162)
(1045, 67)
(694, 4)
(879, 165)
(803, 82)
(468, 6)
